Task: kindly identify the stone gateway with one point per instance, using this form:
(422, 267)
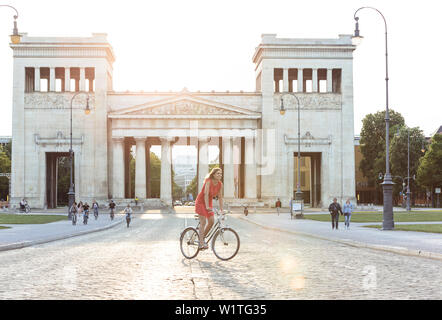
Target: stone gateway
(257, 141)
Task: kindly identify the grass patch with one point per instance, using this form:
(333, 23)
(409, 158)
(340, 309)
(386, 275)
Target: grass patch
(29, 219)
(433, 228)
(421, 216)
(1, 227)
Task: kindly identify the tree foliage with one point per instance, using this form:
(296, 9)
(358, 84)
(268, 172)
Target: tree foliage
(373, 143)
(429, 173)
(399, 155)
(5, 167)
(155, 178)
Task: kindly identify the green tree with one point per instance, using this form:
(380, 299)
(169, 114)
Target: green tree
(399, 156)
(5, 167)
(63, 180)
(155, 175)
(373, 144)
(155, 178)
(429, 173)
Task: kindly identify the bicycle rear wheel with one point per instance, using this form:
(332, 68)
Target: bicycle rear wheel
(225, 244)
(189, 243)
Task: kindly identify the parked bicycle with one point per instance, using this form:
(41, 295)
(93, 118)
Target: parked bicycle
(225, 241)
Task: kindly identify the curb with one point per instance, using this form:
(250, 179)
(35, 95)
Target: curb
(24, 244)
(403, 251)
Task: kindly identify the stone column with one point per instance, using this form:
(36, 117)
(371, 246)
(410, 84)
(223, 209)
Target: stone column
(314, 80)
(300, 80)
(166, 171)
(250, 168)
(329, 80)
(140, 168)
(51, 79)
(67, 79)
(285, 80)
(37, 79)
(118, 168)
(203, 160)
(228, 173)
(82, 79)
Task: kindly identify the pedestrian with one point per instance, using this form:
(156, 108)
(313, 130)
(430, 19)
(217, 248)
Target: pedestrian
(85, 213)
(348, 208)
(246, 211)
(136, 201)
(112, 208)
(212, 187)
(334, 208)
(80, 208)
(128, 212)
(95, 207)
(278, 205)
(73, 213)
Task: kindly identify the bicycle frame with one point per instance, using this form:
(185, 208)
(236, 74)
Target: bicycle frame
(216, 226)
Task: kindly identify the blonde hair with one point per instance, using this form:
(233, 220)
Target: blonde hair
(212, 173)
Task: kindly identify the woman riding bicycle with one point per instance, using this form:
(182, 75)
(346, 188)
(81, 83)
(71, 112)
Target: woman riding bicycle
(203, 205)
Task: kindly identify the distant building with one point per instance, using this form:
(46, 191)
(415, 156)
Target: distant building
(4, 140)
(256, 132)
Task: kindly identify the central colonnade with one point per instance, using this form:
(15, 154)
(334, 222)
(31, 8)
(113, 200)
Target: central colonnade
(237, 158)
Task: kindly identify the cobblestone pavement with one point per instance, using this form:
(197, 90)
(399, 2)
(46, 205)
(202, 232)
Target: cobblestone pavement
(145, 262)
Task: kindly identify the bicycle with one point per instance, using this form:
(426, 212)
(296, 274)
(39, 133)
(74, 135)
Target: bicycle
(225, 243)
(26, 209)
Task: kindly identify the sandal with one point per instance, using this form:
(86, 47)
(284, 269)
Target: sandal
(203, 246)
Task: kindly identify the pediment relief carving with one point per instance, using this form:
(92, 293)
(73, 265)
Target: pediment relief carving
(183, 107)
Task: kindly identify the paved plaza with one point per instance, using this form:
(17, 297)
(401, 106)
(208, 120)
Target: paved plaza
(279, 258)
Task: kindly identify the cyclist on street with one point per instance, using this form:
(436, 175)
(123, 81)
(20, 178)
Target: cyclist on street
(128, 212)
(112, 208)
(203, 205)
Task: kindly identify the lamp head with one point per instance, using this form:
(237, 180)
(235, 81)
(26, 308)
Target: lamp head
(357, 38)
(15, 37)
(88, 110)
(282, 110)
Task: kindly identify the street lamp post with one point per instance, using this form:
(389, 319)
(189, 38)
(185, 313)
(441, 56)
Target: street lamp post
(15, 37)
(387, 223)
(298, 194)
(71, 193)
(408, 171)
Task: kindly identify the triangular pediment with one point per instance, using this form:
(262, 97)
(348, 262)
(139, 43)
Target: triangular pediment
(184, 105)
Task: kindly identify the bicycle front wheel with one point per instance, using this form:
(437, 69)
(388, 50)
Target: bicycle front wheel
(189, 243)
(225, 244)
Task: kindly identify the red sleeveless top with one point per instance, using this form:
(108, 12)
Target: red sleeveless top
(200, 205)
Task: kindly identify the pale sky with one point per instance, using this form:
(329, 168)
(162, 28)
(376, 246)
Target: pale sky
(208, 45)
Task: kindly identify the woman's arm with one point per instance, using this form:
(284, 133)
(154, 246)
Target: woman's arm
(220, 198)
(206, 194)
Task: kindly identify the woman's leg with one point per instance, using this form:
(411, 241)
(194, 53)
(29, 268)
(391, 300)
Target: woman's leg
(210, 221)
(201, 231)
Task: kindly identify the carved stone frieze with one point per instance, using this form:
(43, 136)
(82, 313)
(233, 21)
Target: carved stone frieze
(58, 140)
(184, 107)
(319, 101)
(56, 100)
(308, 140)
